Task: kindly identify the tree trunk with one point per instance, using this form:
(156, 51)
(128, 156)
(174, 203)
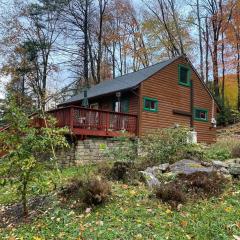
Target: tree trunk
(99, 58)
(114, 60)
(206, 51)
(238, 74)
(223, 69)
(215, 68)
(172, 4)
(200, 40)
(85, 58)
(24, 196)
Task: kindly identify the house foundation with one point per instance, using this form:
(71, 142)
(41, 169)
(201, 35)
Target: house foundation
(85, 151)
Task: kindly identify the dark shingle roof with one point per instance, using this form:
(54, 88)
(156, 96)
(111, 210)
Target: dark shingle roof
(121, 83)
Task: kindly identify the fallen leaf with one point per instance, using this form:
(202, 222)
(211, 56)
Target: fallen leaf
(238, 224)
(168, 211)
(88, 210)
(183, 223)
(228, 209)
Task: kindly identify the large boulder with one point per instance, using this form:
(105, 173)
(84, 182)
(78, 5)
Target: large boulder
(154, 170)
(187, 166)
(232, 161)
(164, 167)
(220, 164)
(150, 180)
(234, 170)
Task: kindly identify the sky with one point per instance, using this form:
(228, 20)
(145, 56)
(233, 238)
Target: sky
(65, 76)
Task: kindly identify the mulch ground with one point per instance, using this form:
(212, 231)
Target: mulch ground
(12, 214)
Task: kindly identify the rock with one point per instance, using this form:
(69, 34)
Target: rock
(237, 160)
(187, 166)
(224, 171)
(164, 167)
(220, 164)
(150, 180)
(154, 170)
(234, 169)
(232, 161)
(206, 164)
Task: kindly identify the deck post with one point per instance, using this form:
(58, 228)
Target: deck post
(136, 125)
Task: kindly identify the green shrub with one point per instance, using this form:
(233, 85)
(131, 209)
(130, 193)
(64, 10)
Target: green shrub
(227, 115)
(165, 145)
(218, 154)
(222, 149)
(24, 144)
(124, 151)
(196, 152)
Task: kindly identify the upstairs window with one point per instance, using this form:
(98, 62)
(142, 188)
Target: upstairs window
(184, 75)
(201, 114)
(150, 104)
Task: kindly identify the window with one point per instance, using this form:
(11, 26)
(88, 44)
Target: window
(184, 75)
(121, 106)
(201, 114)
(125, 105)
(150, 104)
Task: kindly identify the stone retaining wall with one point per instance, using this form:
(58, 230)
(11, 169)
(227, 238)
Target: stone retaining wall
(84, 151)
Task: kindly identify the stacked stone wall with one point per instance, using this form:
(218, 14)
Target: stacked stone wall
(85, 151)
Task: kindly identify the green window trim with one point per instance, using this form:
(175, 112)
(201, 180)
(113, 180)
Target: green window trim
(200, 119)
(188, 84)
(149, 109)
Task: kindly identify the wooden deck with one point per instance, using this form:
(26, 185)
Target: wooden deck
(93, 122)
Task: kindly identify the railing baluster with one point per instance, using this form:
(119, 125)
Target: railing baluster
(71, 118)
(107, 122)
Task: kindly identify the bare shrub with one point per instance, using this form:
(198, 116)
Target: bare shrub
(211, 184)
(236, 151)
(97, 191)
(193, 186)
(170, 193)
(73, 188)
(93, 191)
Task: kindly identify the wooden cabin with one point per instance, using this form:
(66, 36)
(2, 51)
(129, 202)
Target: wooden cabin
(160, 96)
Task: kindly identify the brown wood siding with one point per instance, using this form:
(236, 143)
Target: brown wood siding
(172, 96)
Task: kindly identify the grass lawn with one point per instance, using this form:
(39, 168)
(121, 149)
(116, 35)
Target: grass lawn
(132, 214)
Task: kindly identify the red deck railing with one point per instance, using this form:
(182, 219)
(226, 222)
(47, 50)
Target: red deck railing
(86, 121)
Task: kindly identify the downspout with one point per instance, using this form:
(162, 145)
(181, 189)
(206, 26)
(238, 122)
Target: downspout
(192, 105)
